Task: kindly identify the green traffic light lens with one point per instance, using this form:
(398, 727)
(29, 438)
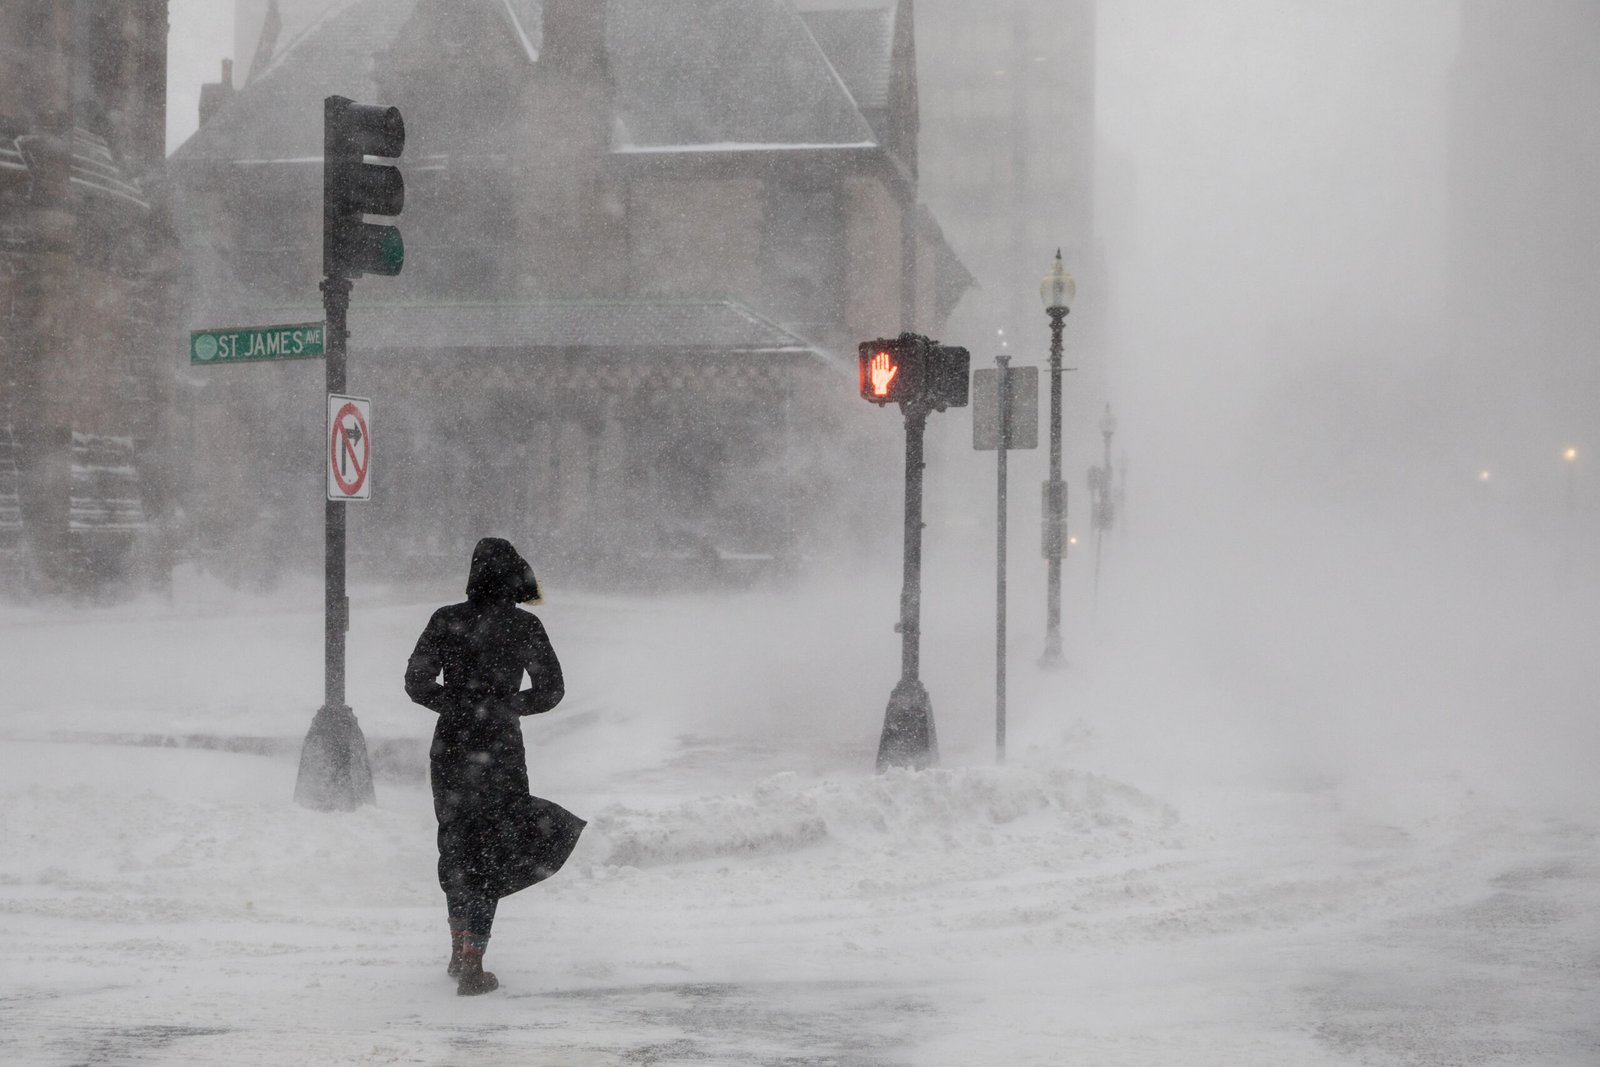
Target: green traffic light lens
(393, 251)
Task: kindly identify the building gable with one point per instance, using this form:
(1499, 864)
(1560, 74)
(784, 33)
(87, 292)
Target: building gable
(859, 42)
(456, 70)
(369, 50)
(874, 52)
(727, 74)
(278, 116)
(688, 73)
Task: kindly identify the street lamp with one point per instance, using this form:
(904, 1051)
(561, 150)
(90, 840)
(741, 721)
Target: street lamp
(1569, 540)
(1057, 292)
(1102, 510)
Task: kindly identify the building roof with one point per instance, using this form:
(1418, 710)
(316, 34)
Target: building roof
(278, 115)
(618, 327)
(691, 73)
(859, 42)
(688, 74)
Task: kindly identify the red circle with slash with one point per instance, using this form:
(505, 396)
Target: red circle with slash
(358, 451)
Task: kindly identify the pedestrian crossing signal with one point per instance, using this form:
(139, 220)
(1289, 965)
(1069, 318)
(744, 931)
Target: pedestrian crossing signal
(912, 370)
(892, 371)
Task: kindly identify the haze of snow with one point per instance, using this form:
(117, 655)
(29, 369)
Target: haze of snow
(1192, 855)
(1316, 787)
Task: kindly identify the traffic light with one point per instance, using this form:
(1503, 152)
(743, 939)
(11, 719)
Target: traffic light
(893, 371)
(352, 187)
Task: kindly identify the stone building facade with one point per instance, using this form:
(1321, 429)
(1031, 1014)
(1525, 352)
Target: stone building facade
(642, 240)
(87, 258)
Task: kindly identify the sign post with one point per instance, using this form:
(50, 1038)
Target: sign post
(1005, 416)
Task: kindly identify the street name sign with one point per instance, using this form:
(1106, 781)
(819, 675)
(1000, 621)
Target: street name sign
(253, 344)
(1022, 389)
(349, 448)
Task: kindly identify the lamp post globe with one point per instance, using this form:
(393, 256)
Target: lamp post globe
(1058, 290)
(1057, 293)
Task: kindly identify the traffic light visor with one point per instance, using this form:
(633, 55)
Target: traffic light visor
(367, 129)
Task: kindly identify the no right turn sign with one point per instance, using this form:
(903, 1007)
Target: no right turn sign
(349, 448)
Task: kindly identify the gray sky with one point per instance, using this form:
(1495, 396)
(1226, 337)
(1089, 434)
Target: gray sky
(1286, 157)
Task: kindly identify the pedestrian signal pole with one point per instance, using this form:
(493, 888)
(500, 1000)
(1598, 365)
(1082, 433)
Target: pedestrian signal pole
(335, 774)
(922, 376)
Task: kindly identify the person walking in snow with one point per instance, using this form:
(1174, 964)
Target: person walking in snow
(494, 837)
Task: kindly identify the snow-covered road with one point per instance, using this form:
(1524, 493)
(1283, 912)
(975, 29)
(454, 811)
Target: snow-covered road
(748, 892)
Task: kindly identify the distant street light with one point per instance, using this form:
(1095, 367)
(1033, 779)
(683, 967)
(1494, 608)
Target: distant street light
(1570, 536)
(1057, 292)
(1102, 508)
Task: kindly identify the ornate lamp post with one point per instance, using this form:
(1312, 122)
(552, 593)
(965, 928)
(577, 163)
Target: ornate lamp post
(1057, 292)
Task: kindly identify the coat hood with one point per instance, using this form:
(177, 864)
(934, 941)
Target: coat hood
(500, 573)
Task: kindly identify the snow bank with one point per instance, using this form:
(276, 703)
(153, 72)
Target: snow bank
(958, 812)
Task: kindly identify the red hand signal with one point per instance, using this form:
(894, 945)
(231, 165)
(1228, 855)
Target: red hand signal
(882, 372)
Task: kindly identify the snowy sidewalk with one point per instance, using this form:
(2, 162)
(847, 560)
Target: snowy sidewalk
(749, 891)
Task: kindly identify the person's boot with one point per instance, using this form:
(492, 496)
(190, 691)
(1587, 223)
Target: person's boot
(474, 979)
(454, 968)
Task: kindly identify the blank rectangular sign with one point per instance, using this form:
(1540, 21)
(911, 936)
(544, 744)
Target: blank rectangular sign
(1022, 388)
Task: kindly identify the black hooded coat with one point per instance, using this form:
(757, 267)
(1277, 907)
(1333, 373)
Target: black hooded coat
(494, 837)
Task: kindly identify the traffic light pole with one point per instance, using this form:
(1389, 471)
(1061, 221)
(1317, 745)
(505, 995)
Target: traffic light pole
(336, 603)
(908, 738)
(335, 774)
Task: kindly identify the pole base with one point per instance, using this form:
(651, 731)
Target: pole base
(334, 772)
(1052, 659)
(909, 739)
